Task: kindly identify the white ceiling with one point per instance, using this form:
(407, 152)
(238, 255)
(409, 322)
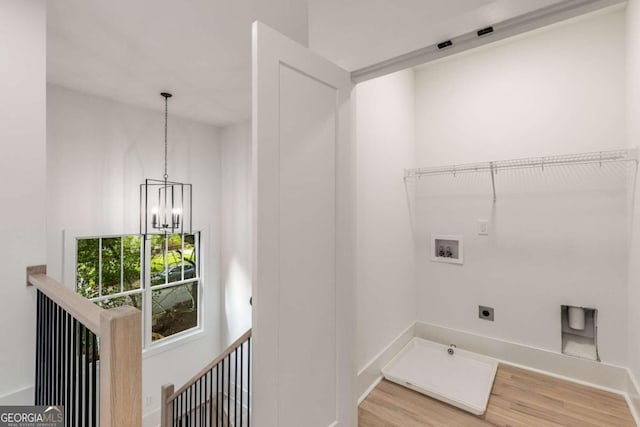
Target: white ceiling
(130, 50)
(359, 33)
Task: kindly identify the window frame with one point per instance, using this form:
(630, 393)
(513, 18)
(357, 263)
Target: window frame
(146, 290)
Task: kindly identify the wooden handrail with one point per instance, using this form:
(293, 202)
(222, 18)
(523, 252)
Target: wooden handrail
(78, 306)
(237, 343)
(120, 333)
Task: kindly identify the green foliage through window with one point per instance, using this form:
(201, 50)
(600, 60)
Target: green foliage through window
(109, 272)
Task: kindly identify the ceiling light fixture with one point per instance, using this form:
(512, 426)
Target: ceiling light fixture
(165, 206)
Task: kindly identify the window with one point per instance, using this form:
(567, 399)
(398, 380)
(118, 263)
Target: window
(159, 275)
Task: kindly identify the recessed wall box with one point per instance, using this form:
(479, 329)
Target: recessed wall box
(579, 329)
(485, 313)
(447, 248)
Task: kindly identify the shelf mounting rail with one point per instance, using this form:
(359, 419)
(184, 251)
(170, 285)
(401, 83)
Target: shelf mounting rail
(597, 157)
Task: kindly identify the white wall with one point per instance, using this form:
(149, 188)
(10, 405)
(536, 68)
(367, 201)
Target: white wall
(633, 140)
(385, 145)
(236, 231)
(22, 172)
(98, 153)
(557, 237)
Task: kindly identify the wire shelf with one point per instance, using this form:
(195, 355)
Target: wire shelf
(598, 157)
(493, 167)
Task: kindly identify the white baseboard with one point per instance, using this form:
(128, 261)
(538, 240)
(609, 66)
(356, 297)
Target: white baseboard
(371, 374)
(612, 378)
(605, 376)
(633, 396)
(23, 396)
(151, 419)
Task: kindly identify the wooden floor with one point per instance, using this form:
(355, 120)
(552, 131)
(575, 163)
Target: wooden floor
(519, 398)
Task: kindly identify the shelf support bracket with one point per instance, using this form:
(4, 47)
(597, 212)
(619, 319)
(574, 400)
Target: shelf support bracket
(493, 180)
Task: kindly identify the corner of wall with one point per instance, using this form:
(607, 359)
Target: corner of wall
(235, 268)
(23, 133)
(385, 145)
(633, 140)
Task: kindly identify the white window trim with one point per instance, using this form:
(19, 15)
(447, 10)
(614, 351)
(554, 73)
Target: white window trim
(149, 348)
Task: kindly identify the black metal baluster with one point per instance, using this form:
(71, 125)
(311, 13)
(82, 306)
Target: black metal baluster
(48, 356)
(203, 401)
(222, 377)
(63, 352)
(63, 358)
(203, 408)
(36, 395)
(235, 389)
(54, 355)
(241, 383)
(70, 378)
(74, 364)
(87, 402)
(52, 363)
(60, 364)
(211, 397)
(59, 354)
(94, 379)
(218, 391)
(44, 350)
(229, 389)
(52, 340)
(42, 339)
(37, 379)
(81, 403)
(40, 343)
(249, 382)
(198, 396)
(45, 365)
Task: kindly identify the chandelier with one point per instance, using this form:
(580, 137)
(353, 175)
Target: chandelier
(165, 206)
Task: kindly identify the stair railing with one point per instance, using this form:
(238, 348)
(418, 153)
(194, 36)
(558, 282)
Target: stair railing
(217, 396)
(88, 360)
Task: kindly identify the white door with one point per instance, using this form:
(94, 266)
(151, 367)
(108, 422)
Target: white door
(303, 299)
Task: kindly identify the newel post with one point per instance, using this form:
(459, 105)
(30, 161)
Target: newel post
(166, 410)
(121, 367)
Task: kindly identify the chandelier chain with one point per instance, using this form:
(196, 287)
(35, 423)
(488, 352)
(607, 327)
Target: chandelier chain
(166, 115)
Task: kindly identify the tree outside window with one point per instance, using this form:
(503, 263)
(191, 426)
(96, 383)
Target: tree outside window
(110, 271)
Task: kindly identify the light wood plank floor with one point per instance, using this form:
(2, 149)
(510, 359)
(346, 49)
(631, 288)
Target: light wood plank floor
(519, 398)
